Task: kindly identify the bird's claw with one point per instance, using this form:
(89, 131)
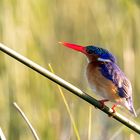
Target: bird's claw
(102, 103)
(113, 109)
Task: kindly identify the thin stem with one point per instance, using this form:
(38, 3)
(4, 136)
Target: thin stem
(89, 123)
(67, 107)
(2, 137)
(70, 87)
(26, 120)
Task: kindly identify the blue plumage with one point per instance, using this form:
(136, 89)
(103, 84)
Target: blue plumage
(107, 64)
(102, 53)
(112, 72)
(105, 77)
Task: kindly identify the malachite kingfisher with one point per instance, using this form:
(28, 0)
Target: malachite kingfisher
(105, 77)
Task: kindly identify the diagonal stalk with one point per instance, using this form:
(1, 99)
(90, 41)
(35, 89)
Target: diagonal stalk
(67, 107)
(132, 125)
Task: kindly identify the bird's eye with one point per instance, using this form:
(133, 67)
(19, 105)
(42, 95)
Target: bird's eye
(89, 51)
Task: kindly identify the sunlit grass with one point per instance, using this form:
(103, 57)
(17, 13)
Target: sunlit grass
(33, 28)
(89, 124)
(67, 108)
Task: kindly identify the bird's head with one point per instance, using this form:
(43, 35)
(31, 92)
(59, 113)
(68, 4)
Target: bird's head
(92, 52)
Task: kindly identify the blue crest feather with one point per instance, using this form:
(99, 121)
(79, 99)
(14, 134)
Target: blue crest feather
(102, 53)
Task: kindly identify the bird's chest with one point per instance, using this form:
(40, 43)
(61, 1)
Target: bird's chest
(93, 76)
(99, 84)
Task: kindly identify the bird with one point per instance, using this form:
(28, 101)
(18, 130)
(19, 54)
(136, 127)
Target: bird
(105, 77)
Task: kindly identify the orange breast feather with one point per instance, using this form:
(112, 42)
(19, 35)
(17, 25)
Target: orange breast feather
(101, 85)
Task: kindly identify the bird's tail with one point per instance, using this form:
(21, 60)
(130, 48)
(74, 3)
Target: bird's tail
(132, 110)
(130, 106)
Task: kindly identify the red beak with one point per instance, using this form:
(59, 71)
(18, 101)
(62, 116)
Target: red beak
(74, 47)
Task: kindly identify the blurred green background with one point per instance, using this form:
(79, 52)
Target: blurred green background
(34, 28)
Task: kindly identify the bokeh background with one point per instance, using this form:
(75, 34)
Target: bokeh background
(34, 28)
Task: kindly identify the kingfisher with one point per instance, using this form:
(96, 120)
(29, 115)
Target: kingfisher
(105, 77)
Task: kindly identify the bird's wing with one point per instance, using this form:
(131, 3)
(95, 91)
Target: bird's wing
(112, 72)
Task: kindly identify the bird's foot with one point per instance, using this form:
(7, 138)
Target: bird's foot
(113, 108)
(102, 102)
